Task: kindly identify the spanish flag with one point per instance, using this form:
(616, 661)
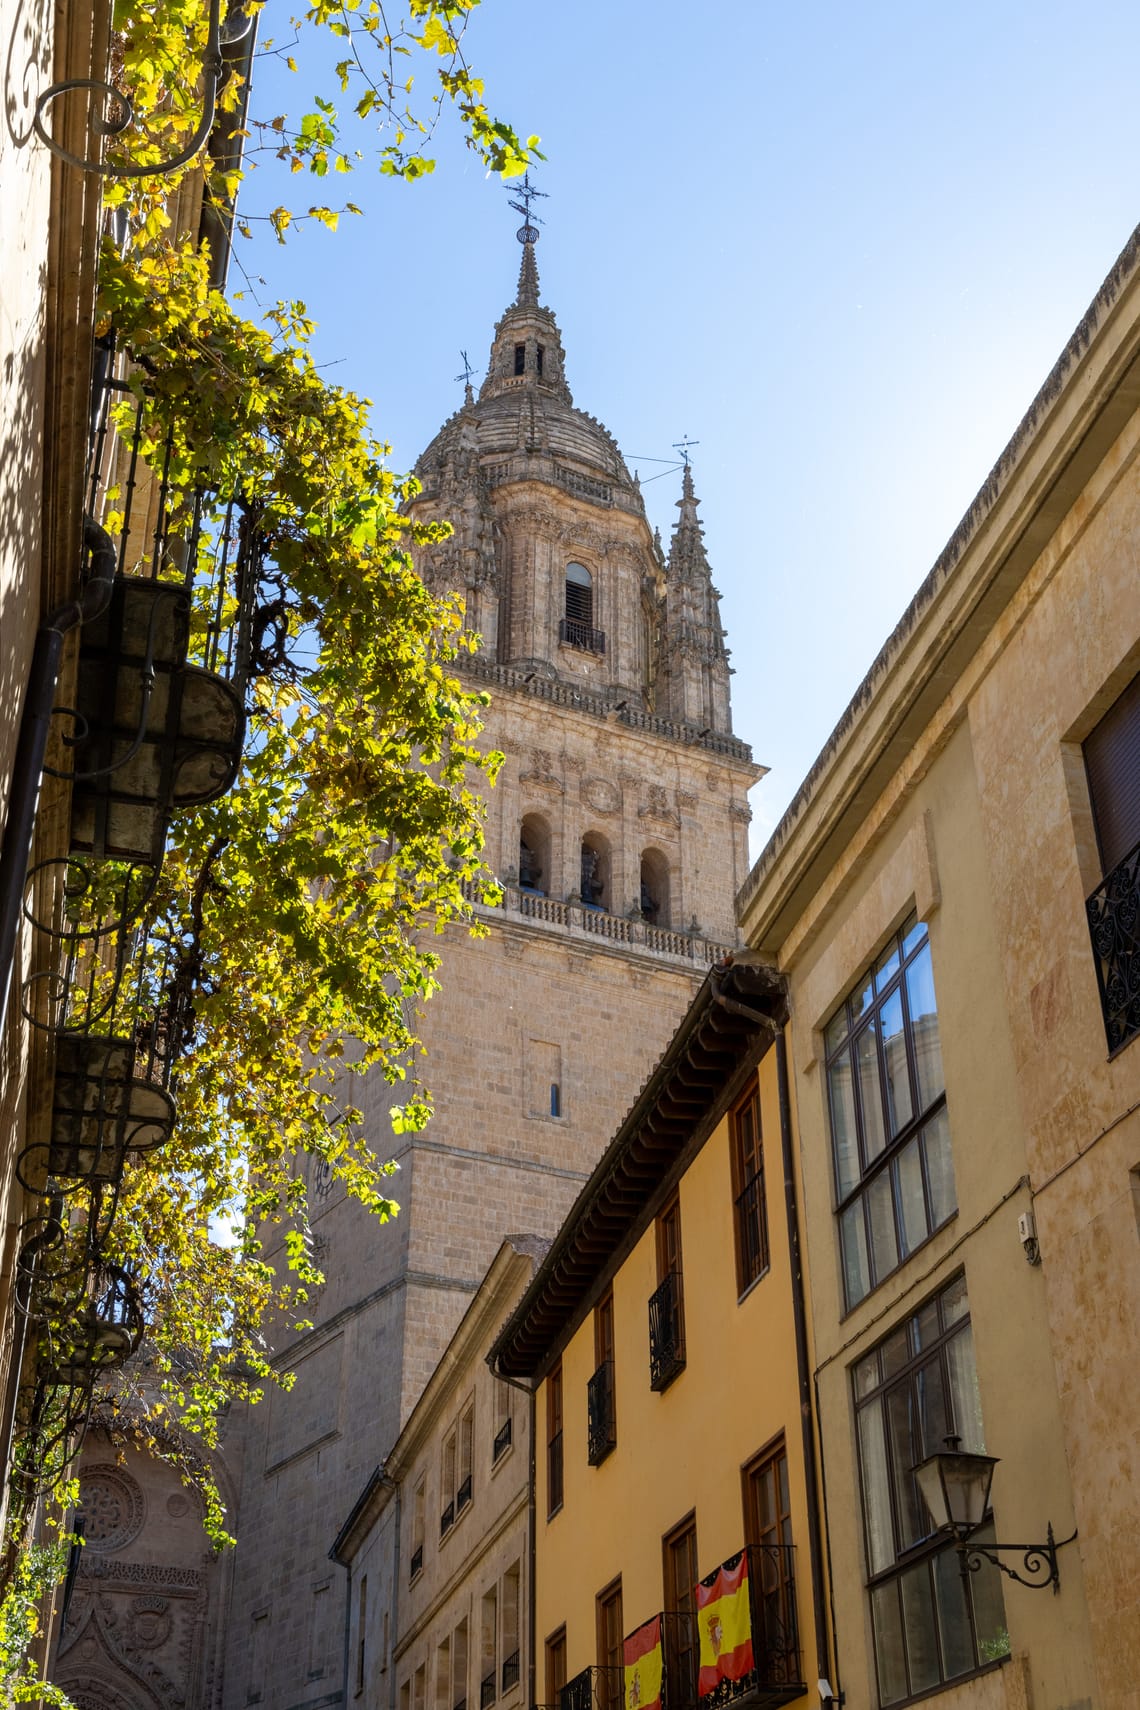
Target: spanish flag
(724, 1622)
(641, 1654)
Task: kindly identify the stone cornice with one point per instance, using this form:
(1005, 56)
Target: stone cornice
(1083, 406)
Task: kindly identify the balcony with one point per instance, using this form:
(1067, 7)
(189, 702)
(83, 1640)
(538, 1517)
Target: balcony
(574, 633)
(488, 1690)
(1114, 926)
(601, 1413)
(447, 1519)
(596, 1688)
(463, 1496)
(666, 1332)
(417, 1561)
(510, 1671)
(502, 1441)
(776, 1675)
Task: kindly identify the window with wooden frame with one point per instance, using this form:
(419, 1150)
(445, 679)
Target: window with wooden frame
(894, 1176)
(667, 1303)
(750, 1208)
(768, 1531)
(503, 1421)
(456, 1468)
(419, 1511)
(601, 1406)
(555, 1666)
(610, 1688)
(1112, 765)
(554, 1441)
(679, 1578)
(510, 1619)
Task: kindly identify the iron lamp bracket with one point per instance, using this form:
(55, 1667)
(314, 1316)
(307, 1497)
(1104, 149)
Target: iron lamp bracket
(1038, 1561)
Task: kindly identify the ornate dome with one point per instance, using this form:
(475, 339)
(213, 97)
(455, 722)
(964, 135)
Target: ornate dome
(525, 414)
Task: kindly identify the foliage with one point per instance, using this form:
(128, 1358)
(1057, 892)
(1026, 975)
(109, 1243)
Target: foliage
(38, 1569)
(292, 911)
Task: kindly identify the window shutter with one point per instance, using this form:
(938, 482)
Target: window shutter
(1112, 761)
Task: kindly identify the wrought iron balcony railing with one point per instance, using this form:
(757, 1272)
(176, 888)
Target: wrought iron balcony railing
(502, 1440)
(510, 1671)
(752, 1228)
(666, 1332)
(1114, 925)
(598, 1687)
(463, 1496)
(776, 1675)
(416, 1562)
(577, 634)
(488, 1690)
(554, 1473)
(601, 1413)
(447, 1519)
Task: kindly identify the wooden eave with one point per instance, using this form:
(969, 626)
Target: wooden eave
(740, 1006)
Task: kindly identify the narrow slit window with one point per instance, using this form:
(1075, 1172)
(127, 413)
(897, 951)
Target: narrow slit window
(520, 358)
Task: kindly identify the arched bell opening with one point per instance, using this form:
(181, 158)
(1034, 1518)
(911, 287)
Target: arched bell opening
(654, 895)
(534, 854)
(595, 873)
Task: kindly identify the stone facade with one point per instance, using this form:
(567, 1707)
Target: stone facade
(438, 1545)
(618, 828)
(953, 802)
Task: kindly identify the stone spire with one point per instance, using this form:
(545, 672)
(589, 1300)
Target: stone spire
(528, 279)
(695, 657)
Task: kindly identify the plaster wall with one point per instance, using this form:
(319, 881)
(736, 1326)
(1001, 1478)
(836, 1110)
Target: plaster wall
(680, 1450)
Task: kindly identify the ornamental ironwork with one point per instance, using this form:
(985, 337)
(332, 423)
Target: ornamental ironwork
(1114, 925)
(601, 1413)
(666, 1332)
(581, 635)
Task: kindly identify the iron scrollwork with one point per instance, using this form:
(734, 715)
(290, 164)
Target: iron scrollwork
(215, 73)
(1039, 1561)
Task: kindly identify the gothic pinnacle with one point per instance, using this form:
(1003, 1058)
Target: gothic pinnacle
(528, 279)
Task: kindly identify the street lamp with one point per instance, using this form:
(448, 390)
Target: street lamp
(955, 1487)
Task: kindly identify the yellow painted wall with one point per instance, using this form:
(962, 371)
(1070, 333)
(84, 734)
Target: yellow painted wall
(683, 1449)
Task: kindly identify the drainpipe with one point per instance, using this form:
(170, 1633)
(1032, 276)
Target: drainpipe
(31, 744)
(530, 1391)
(394, 1605)
(815, 1545)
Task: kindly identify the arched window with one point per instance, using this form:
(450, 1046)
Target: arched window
(534, 854)
(595, 882)
(654, 899)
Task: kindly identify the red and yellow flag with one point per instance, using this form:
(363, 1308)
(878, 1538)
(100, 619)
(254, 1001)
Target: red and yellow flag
(724, 1623)
(641, 1654)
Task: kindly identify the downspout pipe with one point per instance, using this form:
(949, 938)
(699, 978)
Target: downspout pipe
(530, 1390)
(803, 1372)
(32, 741)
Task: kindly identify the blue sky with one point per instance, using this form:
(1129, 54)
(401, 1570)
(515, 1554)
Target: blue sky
(839, 246)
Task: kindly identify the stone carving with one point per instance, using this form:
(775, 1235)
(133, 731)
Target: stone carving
(149, 1622)
(657, 807)
(601, 795)
(541, 773)
(742, 812)
(177, 1504)
(686, 801)
(113, 1508)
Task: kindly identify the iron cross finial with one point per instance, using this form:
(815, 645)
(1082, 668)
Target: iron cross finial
(683, 446)
(468, 371)
(528, 231)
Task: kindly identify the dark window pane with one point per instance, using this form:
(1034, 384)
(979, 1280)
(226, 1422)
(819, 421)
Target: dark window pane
(912, 1203)
(924, 1027)
(895, 1352)
(939, 1169)
(933, 1413)
(856, 1275)
(890, 1654)
(899, 1110)
(953, 1615)
(867, 1058)
(911, 1512)
(843, 1130)
(921, 1635)
(989, 1609)
(927, 1325)
(884, 1244)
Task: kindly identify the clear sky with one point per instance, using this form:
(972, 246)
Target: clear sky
(840, 246)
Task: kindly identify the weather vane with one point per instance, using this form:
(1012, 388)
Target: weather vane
(468, 371)
(683, 445)
(528, 231)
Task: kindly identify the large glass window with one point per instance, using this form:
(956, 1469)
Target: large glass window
(917, 1387)
(894, 1178)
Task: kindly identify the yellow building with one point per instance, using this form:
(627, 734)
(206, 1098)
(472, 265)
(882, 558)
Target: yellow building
(665, 1335)
(968, 1108)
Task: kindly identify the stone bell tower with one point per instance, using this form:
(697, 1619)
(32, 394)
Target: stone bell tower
(618, 828)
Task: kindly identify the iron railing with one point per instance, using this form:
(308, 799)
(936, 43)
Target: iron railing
(752, 1229)
(601, 1413)
(577, 634)
(463, 1496)
(599, 1687)
(510, 1671)
(502, 1440)
(666, 1331)
(776, 1675)
(487, 1690)
(447, 1519)
(1114, 925)
(416, 1562)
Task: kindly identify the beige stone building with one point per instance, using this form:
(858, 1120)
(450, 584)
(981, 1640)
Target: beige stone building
(967, 1077)
(618, 828)
(438, 1545)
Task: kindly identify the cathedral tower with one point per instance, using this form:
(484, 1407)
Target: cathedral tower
(618, 829)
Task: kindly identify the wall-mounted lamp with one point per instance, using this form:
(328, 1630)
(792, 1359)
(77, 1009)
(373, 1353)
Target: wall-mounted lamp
(955, 1486)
